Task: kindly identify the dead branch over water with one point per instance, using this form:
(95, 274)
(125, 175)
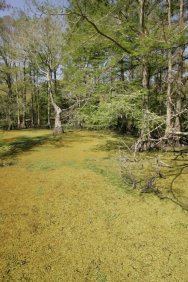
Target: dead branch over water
(157, 173)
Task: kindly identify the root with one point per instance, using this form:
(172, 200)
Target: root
(132, 174)
(143, 145)
(172, 140)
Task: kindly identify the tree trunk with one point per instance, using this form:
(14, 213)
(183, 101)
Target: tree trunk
(33, 94)
(10, 98)
(48, 113)
(143, 142)
(38, 102)
(169, 104)
(180, 74)
(17, 102)
(23, 125)
(145, 132)
(8, 79)
(55, 83)
(58, 126)
(18, 110)
(145, 77)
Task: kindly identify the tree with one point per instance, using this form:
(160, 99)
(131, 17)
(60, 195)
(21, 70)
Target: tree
(143, 41)
(42, 45)
(124, 68)
(7, 57)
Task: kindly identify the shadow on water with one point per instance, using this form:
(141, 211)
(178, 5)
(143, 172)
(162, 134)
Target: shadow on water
(10, 148)
(120, 144)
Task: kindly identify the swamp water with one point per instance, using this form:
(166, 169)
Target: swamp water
(66, 216)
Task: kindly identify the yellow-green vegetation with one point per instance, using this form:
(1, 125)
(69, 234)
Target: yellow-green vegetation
(65, 214)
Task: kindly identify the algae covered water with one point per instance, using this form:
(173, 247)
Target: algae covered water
(65, 215)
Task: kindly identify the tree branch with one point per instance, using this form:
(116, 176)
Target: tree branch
(99, 31)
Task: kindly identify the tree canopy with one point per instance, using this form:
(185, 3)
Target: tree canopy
(119, 65)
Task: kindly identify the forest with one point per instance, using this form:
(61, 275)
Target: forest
(118, 65)
(93, 140)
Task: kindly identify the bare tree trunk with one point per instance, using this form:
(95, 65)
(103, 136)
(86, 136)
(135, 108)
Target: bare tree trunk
(8, 79)
(33, 92)
(169, 104)
(143, 142)
(55, 83)
(145, 133)
(10, 97)
(17, 102)
(48, 113)
(38, 110)
(23, 124)
(145, 76)
(180, 73)
(18, 110)
(38, 102)
(58, 126)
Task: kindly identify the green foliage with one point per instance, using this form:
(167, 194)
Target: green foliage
(99, 54)
(127, 106)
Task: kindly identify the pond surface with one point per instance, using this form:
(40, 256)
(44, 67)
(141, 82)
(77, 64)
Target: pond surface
(65, 215)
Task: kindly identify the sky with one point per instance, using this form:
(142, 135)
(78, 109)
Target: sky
(21, 4)
(16, 3)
